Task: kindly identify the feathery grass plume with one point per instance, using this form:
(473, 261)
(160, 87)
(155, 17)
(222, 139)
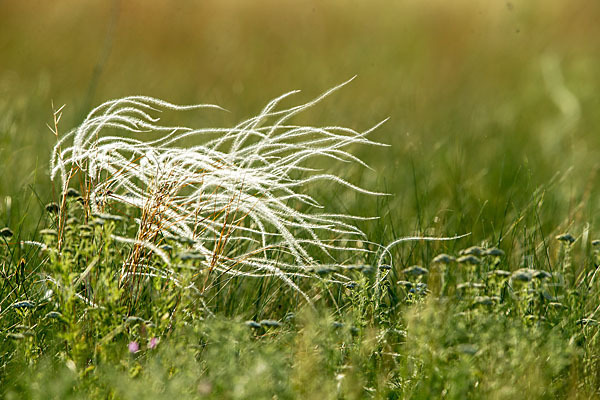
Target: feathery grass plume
(233, 197)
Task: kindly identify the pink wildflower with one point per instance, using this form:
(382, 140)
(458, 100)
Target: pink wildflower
(133, 347)
(153, 342)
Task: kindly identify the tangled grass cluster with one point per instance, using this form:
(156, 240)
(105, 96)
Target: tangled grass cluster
(235, 198)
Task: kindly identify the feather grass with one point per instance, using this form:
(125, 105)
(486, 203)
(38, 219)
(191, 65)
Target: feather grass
(241, 189)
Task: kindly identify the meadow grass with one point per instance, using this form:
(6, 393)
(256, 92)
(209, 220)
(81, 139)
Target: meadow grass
(492, 131)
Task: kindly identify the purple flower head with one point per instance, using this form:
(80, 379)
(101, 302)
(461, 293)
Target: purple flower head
(133, 347)
(153, 342)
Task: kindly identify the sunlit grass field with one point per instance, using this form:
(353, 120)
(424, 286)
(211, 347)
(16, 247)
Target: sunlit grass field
(493, 123)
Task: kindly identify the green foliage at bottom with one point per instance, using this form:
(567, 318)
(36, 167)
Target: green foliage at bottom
(467, 329)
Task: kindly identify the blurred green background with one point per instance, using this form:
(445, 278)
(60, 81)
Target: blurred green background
(493, 105)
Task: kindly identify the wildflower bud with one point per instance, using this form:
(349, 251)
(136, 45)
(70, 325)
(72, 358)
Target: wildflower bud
(522, 275)
(351, 285)
(469, 259)
(72, 193)
(473, 251)
(443, 259)
(6, 233)
(415, 270)
(53, 315)
(269, 323)
(52, 208)
(72, 221)
(541, 275)
(494, 252)
(97, 222)
(23, 304)
(566, 237)
(549, 297)
(324, 270)
(253, 324)
(406, 284)
(48, 232)
(500, 272)
(289, 316)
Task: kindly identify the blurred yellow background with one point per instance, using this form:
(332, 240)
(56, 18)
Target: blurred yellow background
(473, 88)
(409, 55)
